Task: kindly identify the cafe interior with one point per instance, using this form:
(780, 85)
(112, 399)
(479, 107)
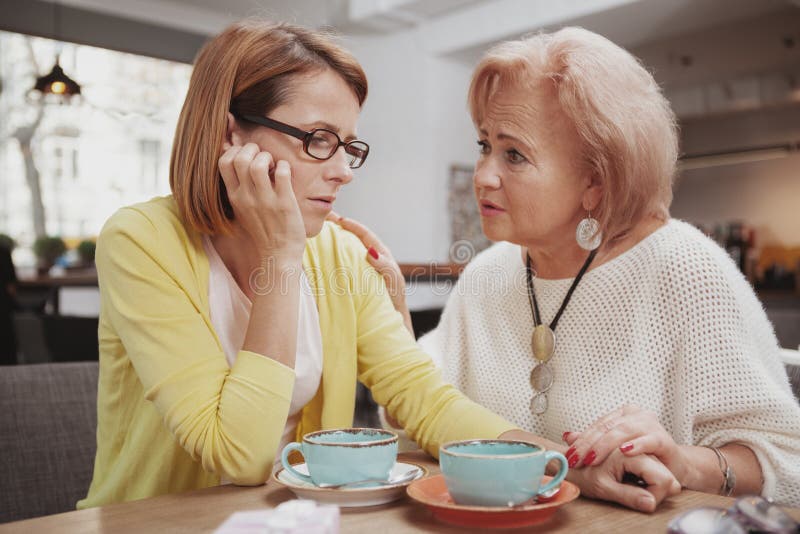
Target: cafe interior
(90, 94)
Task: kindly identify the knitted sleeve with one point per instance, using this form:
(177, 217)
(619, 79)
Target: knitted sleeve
(736, 388)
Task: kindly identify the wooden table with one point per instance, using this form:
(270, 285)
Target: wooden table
(46, 288)
(204, 510)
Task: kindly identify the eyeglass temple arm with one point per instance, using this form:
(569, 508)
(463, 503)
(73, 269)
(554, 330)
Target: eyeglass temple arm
(275, 125)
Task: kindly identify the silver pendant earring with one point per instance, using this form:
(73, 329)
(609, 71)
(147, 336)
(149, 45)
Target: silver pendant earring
(588, 234)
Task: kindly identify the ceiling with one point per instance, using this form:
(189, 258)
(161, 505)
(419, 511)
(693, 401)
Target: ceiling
(210, 16)
(744, 50)
(452, 26)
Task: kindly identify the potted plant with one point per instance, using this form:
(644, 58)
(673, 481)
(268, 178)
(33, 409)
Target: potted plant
(86, 250)
(48, 249)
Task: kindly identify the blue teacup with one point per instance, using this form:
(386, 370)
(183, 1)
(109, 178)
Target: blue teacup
(344, 455)
(497, 472)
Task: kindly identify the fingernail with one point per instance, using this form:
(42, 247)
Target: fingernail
(564, 436)
(573, 460)
(373, 252)
(589, 458)
(569, 452)
(645, 502)
(625, 447)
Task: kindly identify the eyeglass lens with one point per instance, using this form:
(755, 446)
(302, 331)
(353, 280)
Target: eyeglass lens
(747, 514)
(705, 521)
(763, 515)
(323, 144)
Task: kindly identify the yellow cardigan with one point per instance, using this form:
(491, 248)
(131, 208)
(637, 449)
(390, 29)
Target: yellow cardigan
(173, 416)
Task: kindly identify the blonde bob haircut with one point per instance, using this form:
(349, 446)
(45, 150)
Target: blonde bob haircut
(625, 124)
(249, 68)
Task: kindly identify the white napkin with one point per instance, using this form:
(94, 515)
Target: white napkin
(291, 517)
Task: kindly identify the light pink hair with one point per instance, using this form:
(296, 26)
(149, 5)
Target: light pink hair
(625, 124)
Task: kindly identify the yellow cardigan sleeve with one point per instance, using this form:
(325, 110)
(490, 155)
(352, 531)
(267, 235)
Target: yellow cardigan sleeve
(402, 377)
(229, 419)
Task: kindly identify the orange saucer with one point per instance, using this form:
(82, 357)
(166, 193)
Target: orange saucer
(432, 492)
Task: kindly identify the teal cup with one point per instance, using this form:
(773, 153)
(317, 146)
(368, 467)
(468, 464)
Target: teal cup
(497, 472)
(344, 455)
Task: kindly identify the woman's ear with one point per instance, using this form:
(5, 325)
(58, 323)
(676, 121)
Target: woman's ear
(233, 133)
(593, 194)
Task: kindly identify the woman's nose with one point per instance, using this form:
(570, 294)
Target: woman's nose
(339, 167)
(486, 176)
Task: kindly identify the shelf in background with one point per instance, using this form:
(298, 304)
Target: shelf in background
(428, 272)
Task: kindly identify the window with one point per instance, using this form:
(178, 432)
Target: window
(94, 156)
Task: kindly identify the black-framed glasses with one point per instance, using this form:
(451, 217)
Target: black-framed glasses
(746, 515)
(319, 143)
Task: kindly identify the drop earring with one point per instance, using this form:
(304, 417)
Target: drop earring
(588, 234)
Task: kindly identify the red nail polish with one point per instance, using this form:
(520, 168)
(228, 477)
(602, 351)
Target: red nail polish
(564, 436)
(626, 447)
(573, 460)
(569, 452)
(373, 252)
(589, 458)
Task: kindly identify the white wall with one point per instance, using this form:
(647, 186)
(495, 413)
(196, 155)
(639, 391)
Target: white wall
(417, 124)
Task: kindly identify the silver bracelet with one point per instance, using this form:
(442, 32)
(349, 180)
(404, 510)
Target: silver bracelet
(729, 476)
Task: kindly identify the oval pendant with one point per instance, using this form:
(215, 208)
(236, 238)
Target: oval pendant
(539, 403)
(541, 377)
(543, 343)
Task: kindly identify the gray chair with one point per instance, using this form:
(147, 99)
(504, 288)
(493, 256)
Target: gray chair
(47, 437)
(786, 322)
(30, 338)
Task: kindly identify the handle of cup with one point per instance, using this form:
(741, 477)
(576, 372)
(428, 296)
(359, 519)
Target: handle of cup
(287, 450)
(562, 471)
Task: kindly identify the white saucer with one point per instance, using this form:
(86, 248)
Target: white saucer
(349, 497)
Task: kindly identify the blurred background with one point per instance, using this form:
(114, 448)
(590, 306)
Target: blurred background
(731, 69)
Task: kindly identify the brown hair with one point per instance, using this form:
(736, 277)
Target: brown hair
(248, 68)
(626, 126)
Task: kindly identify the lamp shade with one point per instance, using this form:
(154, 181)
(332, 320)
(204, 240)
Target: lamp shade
(57, 83)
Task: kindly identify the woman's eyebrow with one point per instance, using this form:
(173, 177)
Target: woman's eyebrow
(504, 136)
(328, 126)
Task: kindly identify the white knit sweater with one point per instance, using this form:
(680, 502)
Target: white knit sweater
(670, 325)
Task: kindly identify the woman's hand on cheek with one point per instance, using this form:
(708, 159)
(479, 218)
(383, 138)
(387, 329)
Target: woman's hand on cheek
(605, 481)
(260, 192)
(629, 430)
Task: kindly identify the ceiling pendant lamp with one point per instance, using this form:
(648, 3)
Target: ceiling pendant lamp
(56, 82)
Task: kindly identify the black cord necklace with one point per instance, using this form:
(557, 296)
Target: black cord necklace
(543, 340)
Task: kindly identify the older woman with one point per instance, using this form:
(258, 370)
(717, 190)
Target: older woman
(596, 318)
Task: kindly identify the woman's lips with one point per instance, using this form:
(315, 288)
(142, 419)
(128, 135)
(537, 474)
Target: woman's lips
(490, 209)
(325, 203)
